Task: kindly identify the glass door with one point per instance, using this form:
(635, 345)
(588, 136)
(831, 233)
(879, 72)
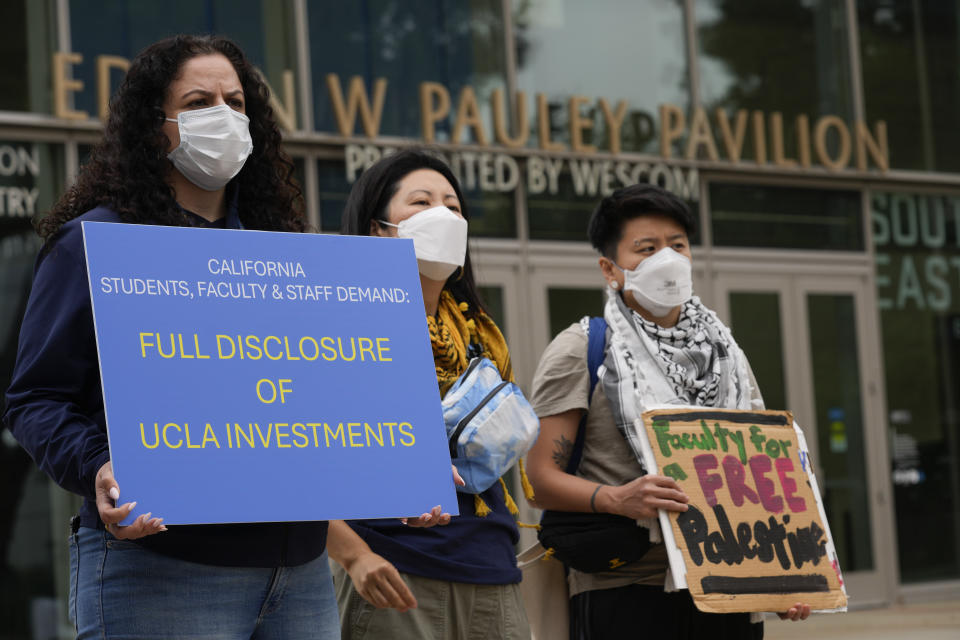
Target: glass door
(499, 286)
(812, 343)
(500, 289)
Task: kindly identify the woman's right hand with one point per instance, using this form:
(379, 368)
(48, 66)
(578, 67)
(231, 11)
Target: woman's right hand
(640, 498)
(379, 582)
(107, 493)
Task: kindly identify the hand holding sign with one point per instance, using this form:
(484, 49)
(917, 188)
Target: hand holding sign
(108, 493)
(755, 536)
(435, 516)
(640, 498)
(796, 613)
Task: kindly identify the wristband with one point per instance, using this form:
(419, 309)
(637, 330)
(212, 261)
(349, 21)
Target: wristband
(593, 499)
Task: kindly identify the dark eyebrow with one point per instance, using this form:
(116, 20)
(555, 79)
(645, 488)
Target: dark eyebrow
(207, 94)
(676, 236)
(639, 240)
(430, 193)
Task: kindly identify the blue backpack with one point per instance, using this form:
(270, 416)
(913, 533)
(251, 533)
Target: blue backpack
(596, 348)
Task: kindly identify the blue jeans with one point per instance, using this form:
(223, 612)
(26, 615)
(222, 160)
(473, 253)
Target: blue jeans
(120, 590)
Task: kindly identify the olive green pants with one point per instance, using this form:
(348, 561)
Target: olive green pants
(445, 611)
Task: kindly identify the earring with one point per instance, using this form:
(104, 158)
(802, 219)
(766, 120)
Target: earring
(614, 285)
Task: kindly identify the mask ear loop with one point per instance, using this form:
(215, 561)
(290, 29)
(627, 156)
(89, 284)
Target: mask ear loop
(613, 283)
(161, 117)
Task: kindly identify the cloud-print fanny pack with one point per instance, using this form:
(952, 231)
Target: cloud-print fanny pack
(490, 425)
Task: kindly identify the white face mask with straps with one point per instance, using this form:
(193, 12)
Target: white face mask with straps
(439, 240)
(661, 282)
(214, 144)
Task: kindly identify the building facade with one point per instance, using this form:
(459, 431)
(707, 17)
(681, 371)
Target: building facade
(817, 140)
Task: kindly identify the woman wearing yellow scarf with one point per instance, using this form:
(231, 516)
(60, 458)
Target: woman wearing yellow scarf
(460, 580)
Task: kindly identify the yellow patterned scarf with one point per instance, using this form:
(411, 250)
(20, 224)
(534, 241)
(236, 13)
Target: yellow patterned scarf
(455, 340)
(452, 334)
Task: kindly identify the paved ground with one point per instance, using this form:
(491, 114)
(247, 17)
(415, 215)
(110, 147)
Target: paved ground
(926, 621)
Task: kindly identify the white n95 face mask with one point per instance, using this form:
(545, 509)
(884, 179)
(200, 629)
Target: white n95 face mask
(439, 240)
(661, 282)
(214, 144)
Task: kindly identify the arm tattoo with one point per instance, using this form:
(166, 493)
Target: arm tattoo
(562, 451)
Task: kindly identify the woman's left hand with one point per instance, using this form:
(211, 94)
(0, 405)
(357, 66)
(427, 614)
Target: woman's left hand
(797, 612)
(434, 517)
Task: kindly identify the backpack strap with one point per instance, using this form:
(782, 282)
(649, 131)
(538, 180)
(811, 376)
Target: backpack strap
(596, 347)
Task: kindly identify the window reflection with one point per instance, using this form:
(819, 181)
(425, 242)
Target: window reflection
(832, 326)
(621, 94)
(456, 43)
(563, 50)
(908, 52)
(31, 178)
(788, 56)
(762, 342)
(917, 239)
(28, 39)
(334, 190)
(785, 217)
(262, 28)
(492, 296)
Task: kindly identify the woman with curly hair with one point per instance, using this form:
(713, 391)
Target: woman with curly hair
(191, 141)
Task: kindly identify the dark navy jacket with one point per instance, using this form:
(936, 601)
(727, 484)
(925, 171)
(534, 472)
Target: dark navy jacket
(55, 410)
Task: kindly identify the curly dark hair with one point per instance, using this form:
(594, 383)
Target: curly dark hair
(127, 167)
(371, 194)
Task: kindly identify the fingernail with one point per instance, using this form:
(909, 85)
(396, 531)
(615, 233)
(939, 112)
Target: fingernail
(131, 506)
(436, 508)
(163, 528)
(426, 516)
(114, 493)
(146, 516)
(403, 521)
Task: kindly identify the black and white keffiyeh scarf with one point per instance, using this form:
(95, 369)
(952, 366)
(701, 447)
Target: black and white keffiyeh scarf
(693, 354)
(696, 362)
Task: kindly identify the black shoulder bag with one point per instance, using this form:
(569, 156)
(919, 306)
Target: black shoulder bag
(592, 542)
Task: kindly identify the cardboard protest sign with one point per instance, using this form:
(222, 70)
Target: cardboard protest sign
(264, 377)
(755, 536)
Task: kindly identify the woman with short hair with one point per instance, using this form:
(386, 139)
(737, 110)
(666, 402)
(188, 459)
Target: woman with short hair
(662, 346)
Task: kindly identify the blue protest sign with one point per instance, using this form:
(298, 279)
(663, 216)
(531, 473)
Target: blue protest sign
(264, 377)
